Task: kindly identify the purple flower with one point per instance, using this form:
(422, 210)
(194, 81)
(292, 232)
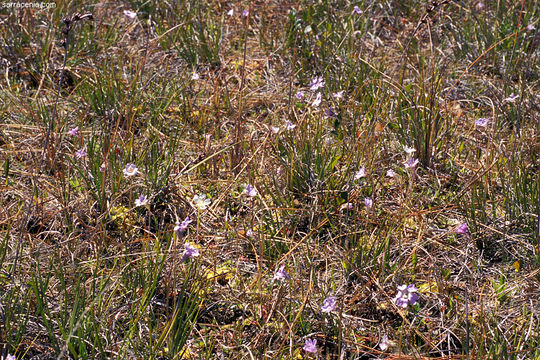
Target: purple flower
(141, 201)
(180, 227)
(369, 203)
(274, 129)
(310, 346)
(130, 170)
(512, 98)
(11, 357)
(250, 233)
(409, 150)
(384, 344)
(289, 125)
(80, 153)
(281, 274)
(330, 113)
(482, 122)
(317, 100)
(329, 304)
(300, 95)
(406, 296)
(463, 229)
(530, 27)
(245, 13)
(390, 173)
(130, 14)
(338, 95)
(360, 173)
(411, 163)
(190, 251)
(316, 83)
(250, 191)
(357, 11)
(74, 131)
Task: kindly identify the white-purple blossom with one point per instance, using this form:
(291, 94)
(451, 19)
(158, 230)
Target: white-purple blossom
(74, 131)
(310, 346)
(130, 170)
(141, 201)
(330, 113)
(411, 163)
(316, 83)
(409, 150)
(482, 122)
(357, 11)
(369, 203)
(338, 95)
(463, 229)
(384, 344)
(390, 173)
(281, 274)
(317, 101)
(181, 227)
(130, 14)
(360, 173)
(512, 98)
(201, 201)
(406, 296)
(289, 125)
(250, 190)
(190, 251)
(329, 304)
(79, 154)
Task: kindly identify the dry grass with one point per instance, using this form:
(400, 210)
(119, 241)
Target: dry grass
(85, 273)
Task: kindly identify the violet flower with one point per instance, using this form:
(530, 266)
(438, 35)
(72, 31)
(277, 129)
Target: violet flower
(289, 125)
(406, 296)
(482, 122)
(463, 229)
(360, 173)
(250, 191)
(141, 201)
(317, 100)
(316, 83)
(130, 170)
(357, 11)
(411, 163)
(281, 274)
(330, 113)
(329, 304)
(369, 203)
(190, 251)
(79, 154)
(310, 346)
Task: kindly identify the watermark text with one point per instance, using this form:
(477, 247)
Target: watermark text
(27, 5)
